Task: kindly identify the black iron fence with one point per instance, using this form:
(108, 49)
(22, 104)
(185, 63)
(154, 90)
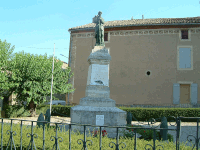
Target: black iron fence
(117, 145)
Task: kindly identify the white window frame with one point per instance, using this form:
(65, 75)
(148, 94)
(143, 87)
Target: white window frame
(189, 35)
(185, 46)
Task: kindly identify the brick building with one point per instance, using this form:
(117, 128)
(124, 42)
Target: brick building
(154, 61)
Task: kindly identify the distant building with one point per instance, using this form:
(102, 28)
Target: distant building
(154, 61)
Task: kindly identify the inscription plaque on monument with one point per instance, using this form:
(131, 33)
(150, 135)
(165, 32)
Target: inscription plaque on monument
(99, 120)
(99, 72)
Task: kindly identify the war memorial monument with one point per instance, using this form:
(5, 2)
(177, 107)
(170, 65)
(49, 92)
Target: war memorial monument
(96, 108)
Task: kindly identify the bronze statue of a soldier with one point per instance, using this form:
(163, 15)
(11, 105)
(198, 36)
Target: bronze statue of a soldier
(99, 29)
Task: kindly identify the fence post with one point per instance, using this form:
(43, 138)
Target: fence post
(129, 118)
(47, 117)
(164, 124)
(178, 133)
(40, 118)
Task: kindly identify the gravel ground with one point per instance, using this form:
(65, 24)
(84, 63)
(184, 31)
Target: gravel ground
(55, 119)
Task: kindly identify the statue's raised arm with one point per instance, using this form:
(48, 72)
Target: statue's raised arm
(99, 29)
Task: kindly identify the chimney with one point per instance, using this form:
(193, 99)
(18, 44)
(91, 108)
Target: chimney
(132, 18)
(142, 16)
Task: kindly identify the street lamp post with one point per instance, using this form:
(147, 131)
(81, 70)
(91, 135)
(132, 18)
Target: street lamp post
(68, 82)
(52, 81)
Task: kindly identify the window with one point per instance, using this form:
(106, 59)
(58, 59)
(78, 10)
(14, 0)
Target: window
(105, 36)
(185, 58)
(184, 34)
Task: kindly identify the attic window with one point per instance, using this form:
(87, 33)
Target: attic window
(105, 36)
(184, 34)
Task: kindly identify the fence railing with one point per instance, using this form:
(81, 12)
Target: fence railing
(32, 144)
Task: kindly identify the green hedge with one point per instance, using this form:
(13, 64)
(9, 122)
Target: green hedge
(145, 114)
(14, 111)
(140, 114)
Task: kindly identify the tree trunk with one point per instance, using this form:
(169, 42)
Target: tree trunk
(32, 108)
(4, 114)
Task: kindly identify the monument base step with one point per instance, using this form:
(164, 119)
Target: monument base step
(112, 116)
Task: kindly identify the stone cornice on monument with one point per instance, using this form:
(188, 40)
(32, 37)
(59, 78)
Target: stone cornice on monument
(99, 55)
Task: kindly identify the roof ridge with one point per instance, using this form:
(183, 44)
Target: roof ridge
(147, 21)
(159, 18)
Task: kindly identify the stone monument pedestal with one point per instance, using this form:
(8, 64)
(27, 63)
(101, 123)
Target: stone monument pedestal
(97, 108)
(113, 116)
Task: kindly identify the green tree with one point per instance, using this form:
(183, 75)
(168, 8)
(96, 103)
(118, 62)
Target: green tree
(31, 78)
(5, 87)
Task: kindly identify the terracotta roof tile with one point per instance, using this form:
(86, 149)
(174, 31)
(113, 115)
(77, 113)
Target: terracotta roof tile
(137, 22)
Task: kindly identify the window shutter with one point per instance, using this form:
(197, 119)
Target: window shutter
(181, 58)
(194, 93)
(188, 58)
(184, 57)
(176, 93)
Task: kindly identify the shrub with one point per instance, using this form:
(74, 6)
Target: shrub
(14, 111)
(146, 134)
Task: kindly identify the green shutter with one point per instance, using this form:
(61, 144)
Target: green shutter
(176, 93)
(194, 93)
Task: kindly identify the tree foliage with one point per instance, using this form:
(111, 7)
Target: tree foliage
(5, 57)
(29, 77)
(32, 74)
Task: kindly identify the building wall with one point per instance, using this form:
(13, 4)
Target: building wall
(133, 53)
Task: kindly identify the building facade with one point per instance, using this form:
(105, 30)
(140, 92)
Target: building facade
(153, 61)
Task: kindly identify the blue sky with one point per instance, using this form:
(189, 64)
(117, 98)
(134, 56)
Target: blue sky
(35, 25)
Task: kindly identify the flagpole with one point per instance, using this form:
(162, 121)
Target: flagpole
(52, 81)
